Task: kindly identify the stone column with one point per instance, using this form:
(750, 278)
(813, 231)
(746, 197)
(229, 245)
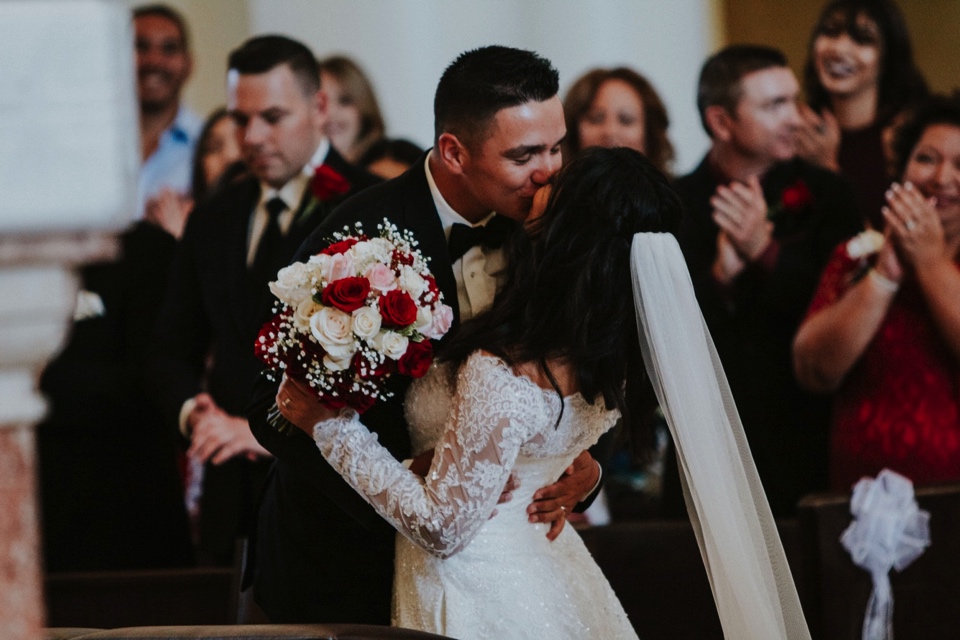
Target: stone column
(68, 173)
(37, 294)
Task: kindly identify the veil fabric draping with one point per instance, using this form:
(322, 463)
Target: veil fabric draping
(751, 581)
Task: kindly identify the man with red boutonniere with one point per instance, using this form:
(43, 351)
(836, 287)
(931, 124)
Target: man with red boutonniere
(760, 225)
(233, 246)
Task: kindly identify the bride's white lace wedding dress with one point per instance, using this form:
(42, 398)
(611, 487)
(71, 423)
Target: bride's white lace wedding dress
(460, 572)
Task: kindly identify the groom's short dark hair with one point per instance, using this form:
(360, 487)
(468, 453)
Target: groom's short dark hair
(264, 53)
(481, 82)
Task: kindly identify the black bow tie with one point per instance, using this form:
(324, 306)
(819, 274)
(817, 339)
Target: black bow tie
(492, 235)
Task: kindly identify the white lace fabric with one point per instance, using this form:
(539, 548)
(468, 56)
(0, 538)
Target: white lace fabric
(494, 413)
(459, 571)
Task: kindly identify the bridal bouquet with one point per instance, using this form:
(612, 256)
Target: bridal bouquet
(353, 315)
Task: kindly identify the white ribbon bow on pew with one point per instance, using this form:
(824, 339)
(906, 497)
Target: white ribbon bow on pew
(888, 530)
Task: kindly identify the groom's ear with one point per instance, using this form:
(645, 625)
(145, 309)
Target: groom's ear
(452, 152)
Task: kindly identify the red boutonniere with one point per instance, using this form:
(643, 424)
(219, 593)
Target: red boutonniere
(327, 183)
(793, 199)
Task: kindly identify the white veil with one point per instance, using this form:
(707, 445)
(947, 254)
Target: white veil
(751, 581)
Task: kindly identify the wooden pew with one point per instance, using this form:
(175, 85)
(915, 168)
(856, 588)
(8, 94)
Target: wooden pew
(925, 595)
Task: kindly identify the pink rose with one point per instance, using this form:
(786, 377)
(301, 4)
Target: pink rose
(440, 323)
(381, 277)
(339, 266)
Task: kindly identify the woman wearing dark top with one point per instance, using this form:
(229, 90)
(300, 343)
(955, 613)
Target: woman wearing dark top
(860, 77)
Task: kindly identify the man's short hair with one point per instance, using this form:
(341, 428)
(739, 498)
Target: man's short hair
(719, 83)
(481, 82)
(169, 13)
(264, 53)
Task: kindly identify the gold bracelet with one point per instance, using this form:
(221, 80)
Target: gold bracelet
(885, 283)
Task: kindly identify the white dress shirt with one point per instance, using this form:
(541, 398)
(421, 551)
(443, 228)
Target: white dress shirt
(291, 193)
(481, 269)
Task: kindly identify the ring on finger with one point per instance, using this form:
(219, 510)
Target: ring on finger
(286, 402)
(910, 224)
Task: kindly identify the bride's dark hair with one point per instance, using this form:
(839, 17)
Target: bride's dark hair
(568, 291)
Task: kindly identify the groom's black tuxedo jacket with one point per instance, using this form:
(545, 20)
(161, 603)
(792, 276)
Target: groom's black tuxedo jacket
(323, 554)
(208, 325)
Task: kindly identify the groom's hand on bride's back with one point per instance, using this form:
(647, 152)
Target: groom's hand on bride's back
(554, 502)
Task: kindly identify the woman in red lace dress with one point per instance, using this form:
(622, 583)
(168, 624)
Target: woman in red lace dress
(883, 330)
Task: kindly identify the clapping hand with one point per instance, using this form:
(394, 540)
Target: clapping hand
(818, 138)
(740, 211)
(915, 225)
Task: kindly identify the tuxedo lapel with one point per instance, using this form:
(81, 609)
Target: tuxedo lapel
(421, 217)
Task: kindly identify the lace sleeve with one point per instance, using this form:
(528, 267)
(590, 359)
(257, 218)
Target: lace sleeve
(493, 414)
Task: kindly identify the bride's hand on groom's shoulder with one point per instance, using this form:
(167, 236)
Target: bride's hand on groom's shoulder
(552, 503)
(298, 403)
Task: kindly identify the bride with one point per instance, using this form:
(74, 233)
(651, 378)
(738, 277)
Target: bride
(527, 386)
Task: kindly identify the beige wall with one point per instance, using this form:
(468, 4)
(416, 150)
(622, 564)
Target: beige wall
(934, 26)
(216, 27)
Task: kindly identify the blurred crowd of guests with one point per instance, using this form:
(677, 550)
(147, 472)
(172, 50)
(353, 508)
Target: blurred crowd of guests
(822, 236)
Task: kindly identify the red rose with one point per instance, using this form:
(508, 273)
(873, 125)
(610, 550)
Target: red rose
(399, 258)
(796, 196)
(431, 288)
(348, 398)
(347, 294)
(267, 339)
(365, 371)
(339, 247)
(397, 309)
(327, 183)
(416, 361)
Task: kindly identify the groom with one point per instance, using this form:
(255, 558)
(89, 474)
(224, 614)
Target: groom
(322, 553)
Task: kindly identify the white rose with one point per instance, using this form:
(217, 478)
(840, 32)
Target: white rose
(391, 344)
(411, 282)
(331, 328)
(292, 284)
(864, 244)
(304, 311)
(319, 261)
(424, 319)
(337, 364)
(366, 322)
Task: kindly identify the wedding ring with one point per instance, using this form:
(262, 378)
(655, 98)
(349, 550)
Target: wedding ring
(564, 509)
(909, 224)
(286, 402)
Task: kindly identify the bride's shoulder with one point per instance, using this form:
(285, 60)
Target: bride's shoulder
(485, 369)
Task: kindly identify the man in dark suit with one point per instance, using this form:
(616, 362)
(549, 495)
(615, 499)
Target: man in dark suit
(760, 225)
(324, 554)
(233, 245)
(112, 496)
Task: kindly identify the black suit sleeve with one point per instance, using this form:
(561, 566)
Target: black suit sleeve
(296, 452)
(183, 331)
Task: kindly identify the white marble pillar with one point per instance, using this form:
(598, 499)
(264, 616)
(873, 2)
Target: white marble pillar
(68, 170)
